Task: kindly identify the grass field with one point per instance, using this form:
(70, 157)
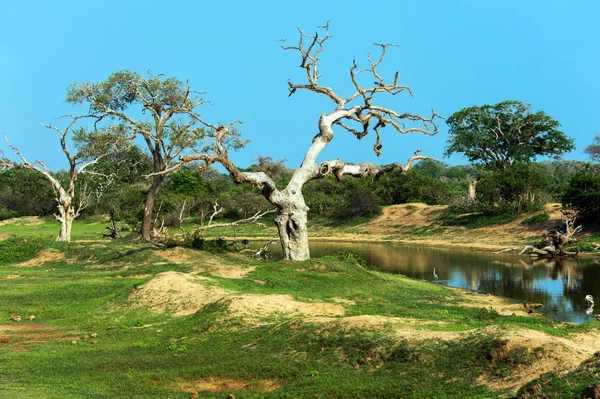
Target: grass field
(173, 322)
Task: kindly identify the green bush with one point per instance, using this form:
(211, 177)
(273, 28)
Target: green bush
(217, 245)
(8, 214)
(583, 191)
(518, 187)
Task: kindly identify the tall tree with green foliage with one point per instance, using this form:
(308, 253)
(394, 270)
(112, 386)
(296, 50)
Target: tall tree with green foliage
(169, 122)
(583, 191)
(500, 135)
(593, 150)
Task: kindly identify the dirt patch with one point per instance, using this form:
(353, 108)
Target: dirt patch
(12, 276)
(179, 255)
(184, 294)
(553, 353)
(343, 301)
(5, 236)
(138, 276)
(224, 385)
(203, 263)
(556, 354)
(501, 305)
(216, 268)
(179, 293)
(45, 256)
(22, 335)
(397, 327)
(23, 221)
(263, 305)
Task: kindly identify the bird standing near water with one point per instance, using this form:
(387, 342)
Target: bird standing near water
(590, 300)
(435, 276)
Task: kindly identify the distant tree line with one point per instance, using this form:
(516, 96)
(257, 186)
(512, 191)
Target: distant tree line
(519, 188)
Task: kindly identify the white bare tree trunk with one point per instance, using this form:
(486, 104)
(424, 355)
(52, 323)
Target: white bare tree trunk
(291, 222)
(66, 215)
(64, 196)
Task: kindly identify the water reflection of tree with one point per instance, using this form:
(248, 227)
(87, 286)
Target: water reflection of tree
(587, 283)
(512, 280)
(512, 276)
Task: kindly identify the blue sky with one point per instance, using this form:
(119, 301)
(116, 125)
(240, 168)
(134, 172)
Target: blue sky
(453, 54)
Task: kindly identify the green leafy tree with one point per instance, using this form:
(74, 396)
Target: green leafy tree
(583, 192)
(169, 124)
(124, 197)
(503, 134)
(516, 188)
(25, 192)
(593, 150)
(430, 182)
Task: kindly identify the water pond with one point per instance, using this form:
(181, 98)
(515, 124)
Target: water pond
(560, 285)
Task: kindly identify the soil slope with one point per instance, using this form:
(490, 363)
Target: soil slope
(422, 224)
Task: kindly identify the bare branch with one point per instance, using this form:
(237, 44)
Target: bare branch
(257, 179)
(182, 219)
(253, 219)
(216, 210)
(369, 116)
(365, 169)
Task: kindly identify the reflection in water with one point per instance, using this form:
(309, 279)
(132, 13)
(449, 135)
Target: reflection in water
(559, 284)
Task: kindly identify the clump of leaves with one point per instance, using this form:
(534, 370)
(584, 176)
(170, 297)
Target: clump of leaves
(215, 246)
(487, 314)
(345, 255)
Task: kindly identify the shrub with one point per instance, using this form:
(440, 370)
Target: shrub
(583, 191)
(217, 245)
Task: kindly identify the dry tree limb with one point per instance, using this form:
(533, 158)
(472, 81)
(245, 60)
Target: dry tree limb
(253, 219)
(505, 250)
(555, 239)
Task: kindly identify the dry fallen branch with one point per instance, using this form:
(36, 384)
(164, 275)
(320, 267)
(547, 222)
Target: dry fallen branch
(253, 219)
(555, 239)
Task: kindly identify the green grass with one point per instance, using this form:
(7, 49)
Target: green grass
(48, 229)
(478, 220)
(539, 218)
(423, 231)
(143, 354)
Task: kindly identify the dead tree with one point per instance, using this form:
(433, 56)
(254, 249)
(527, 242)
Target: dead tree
(357, 113)
(68, 210)
(555, 239)
(113, 229)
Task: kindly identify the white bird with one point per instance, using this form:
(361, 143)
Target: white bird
(590, 299)
(435, 276)
(589, 310)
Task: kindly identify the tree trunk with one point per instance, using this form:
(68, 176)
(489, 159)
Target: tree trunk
(147, 221)
(293, 235)
(471, 191)
(65, 217)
